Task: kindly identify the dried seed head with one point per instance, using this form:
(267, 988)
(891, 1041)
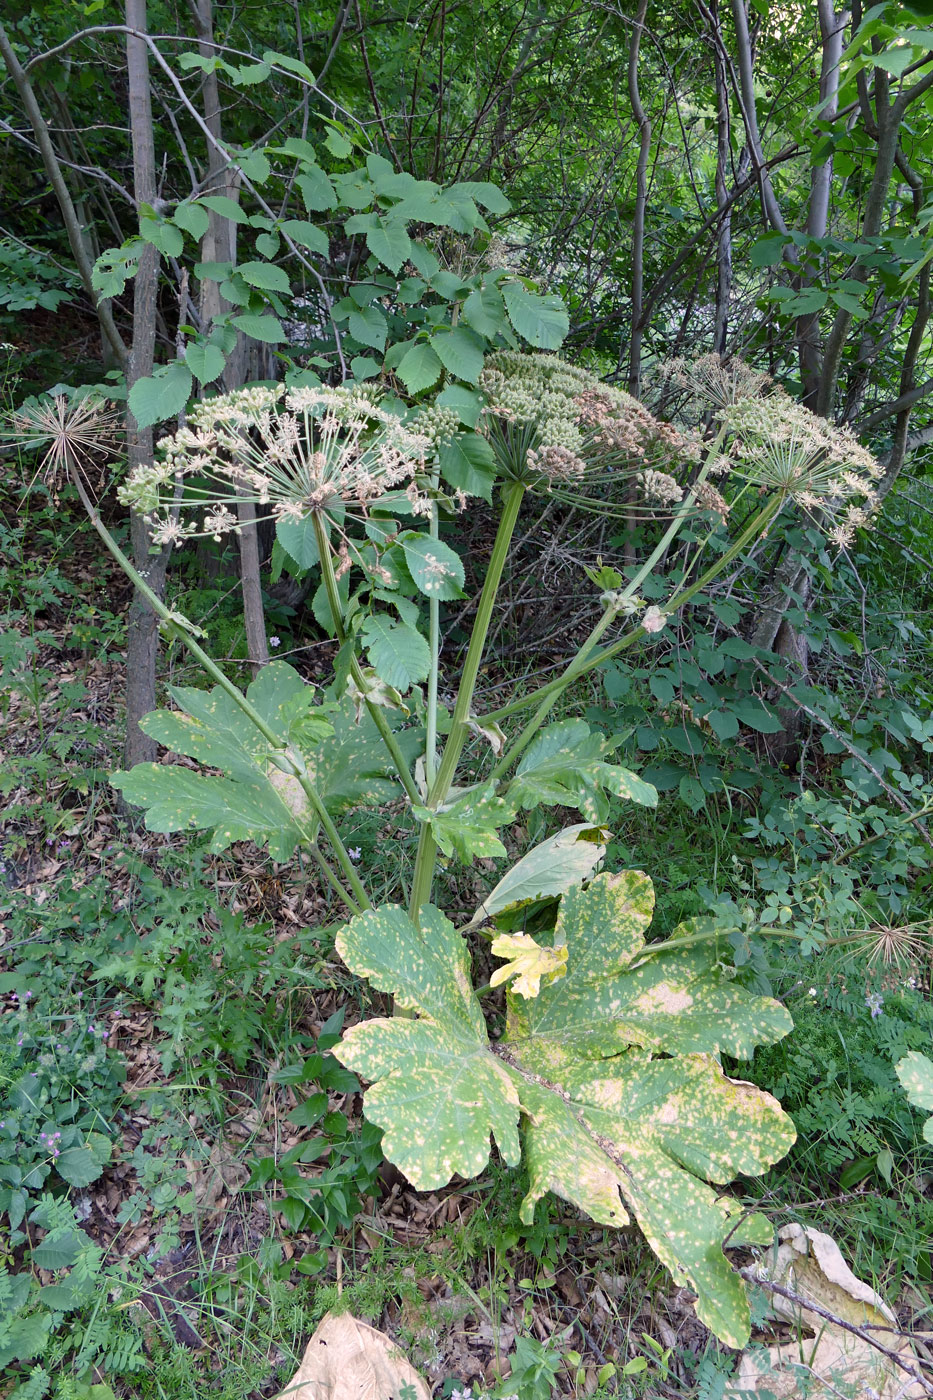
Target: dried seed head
(72, 434)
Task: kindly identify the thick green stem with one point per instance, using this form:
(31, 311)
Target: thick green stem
(423, 876)
(375, 711)
(755, 527)
(180, 629)
(653, 950)
(434, 639)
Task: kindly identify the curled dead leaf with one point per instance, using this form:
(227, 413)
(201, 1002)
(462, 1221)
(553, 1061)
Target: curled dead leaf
(809, 1264)
(528, 962)
(348, 1360)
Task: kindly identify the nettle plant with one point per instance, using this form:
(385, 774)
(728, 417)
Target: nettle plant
(607, 1077)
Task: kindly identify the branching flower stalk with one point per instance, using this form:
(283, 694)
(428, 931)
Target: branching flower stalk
(753, 529)
(375, 711)
(423, 876)
(780, 445)
(621, 603)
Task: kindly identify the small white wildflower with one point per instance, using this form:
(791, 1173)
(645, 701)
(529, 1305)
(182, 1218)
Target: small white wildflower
(311, 451)
(170, 532)
(653, 619)
(275, 641)
(355, 852)
(217, 522)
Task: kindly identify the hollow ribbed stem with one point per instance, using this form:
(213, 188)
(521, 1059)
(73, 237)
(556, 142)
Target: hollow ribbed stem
(524, 702)
(375, 711)
(434, 640)
(180, 629)
(576, 666)
(423, 876)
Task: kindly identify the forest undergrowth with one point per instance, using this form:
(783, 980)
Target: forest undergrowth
(198, 1185)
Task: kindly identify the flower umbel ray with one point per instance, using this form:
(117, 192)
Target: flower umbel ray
(71, 434)
(291, 453)
(779, 445)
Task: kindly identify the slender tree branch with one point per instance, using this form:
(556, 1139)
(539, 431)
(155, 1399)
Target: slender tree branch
(54, 171)
(753, 1275)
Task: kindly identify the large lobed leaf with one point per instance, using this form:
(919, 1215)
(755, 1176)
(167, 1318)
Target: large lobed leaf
(614, 1069)
(915, 1071)
(254, 799)
(439, 1092)
(566, 766)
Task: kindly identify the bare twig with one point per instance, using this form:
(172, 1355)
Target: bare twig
(751, 1275)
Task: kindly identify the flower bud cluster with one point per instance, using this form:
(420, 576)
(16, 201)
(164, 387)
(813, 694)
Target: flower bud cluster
(438, 424)
(566, 421)
(709, 498)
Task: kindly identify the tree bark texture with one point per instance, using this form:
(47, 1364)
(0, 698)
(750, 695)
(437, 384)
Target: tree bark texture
(219, 245)
(142, 633)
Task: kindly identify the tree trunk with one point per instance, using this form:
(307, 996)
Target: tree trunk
(219, 245)
(142, 633)
(832, 31)
(641, 203)
(53, 169)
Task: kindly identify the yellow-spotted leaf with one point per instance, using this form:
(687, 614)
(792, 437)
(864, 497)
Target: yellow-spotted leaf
(626, 1110)
(648, 1134)
(438, 1092)
(257, 798)
(615, 996)
(466, 827)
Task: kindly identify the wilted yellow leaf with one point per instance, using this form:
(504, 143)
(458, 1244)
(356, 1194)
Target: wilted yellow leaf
(527, 962)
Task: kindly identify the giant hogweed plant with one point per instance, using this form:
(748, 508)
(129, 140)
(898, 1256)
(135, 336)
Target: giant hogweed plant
(607, 1078)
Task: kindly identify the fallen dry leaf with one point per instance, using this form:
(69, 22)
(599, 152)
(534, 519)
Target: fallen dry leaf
(349, 1360)
(810, 1264)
